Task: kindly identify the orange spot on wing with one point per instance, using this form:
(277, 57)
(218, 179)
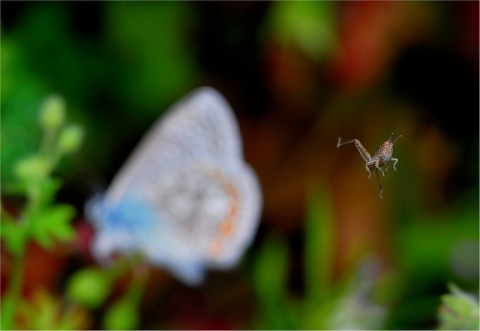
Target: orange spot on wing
(227, 225)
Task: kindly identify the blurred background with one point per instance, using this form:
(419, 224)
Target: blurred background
(298, 75)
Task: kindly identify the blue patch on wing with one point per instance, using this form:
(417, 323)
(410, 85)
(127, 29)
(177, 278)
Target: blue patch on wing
(131, 215)
(131, 226)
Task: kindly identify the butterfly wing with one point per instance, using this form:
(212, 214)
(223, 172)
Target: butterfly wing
(185, 197)
(200, 125)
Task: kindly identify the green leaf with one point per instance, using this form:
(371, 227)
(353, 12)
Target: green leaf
(89, 287)
(52, 223)
(47, 312)
(14, 236)
(48, 188)
(318, 246)
(318, 259)
(41, 312)
(6, 309)
(353, 306)
(307, 25)
(74, 318)
(122, 315)
(271, 268)
(32, 168)
(270, 280)
(459, 311)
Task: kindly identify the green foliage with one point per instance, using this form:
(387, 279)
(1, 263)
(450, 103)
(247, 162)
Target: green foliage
(51, 224)
(153, 72)
(124, 313)
(308, 25)
(40, 220)
(318, 247)
(430, 257)
(355, 306)
(13, 235)
(21, 93)
(32, 168)
(89, 287)
(46, 312)
(459, 311)
(46, 222)
(270, 277)
(138, 63)
(324, 305)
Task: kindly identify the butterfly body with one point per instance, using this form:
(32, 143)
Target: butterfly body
(185, 198)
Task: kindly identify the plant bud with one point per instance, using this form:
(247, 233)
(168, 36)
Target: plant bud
(52, 112)
(70, 138)
(33, 167)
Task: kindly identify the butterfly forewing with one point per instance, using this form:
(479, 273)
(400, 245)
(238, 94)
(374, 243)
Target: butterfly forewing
(200, 125)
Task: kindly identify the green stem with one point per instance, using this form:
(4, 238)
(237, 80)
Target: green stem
(14, 292)
(47, 141)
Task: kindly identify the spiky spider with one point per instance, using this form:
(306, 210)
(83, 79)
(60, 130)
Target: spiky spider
(382, 156)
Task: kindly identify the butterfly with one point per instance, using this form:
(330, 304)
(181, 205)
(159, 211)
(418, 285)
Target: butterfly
(185, 198)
